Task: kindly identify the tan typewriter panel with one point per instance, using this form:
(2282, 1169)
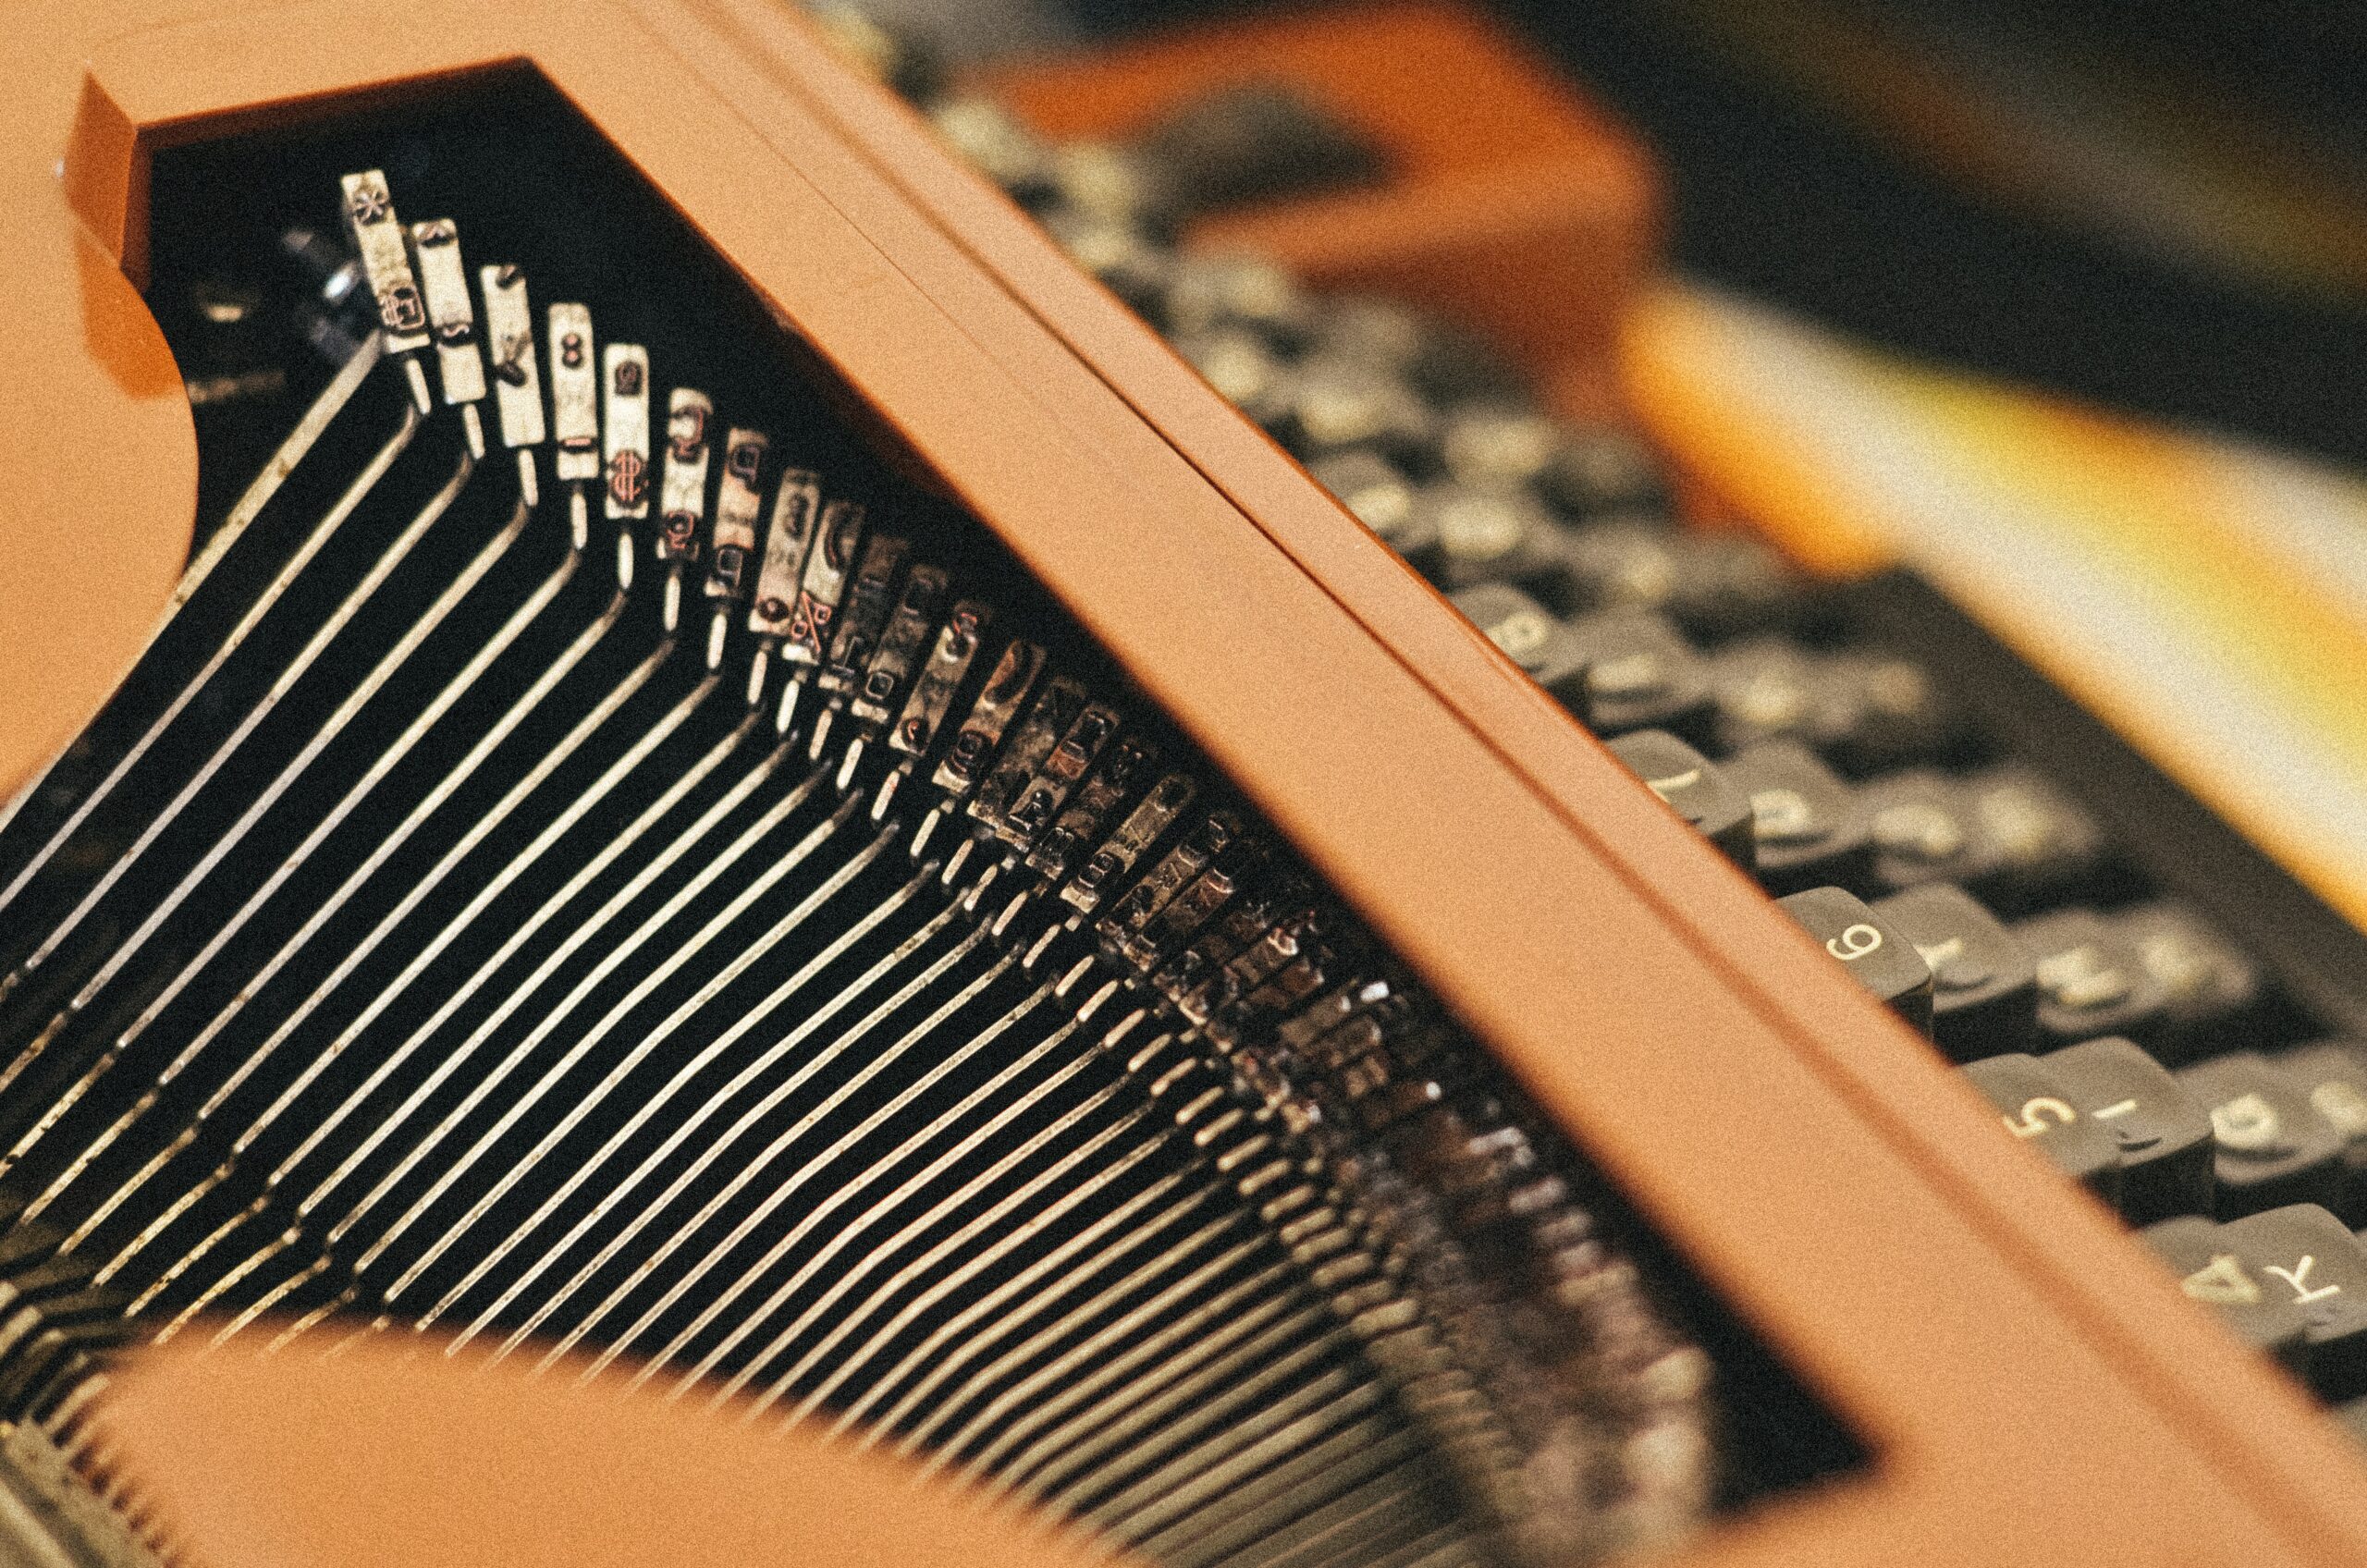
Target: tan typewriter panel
(2030, 1388)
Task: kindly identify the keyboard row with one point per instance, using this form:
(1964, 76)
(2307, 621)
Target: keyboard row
(2149, 1054)
(2292, 1282)
(2224, 1139)
(1629, 666)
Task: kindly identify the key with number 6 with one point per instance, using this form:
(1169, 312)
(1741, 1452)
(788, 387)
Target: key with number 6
(1882, 960)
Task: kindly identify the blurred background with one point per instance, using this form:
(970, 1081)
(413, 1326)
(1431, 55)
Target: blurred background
(2061, 304)
(2157, 204)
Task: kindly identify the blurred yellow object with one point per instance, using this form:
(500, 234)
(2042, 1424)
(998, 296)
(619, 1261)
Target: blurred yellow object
(2207, 597)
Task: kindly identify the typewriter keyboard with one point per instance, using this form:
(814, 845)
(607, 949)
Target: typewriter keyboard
(2144, 998)
(606, 863)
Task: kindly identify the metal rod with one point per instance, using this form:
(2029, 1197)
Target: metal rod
(909, 1274)
(796, 917)
(1044, 1286)
(976, 1264)
(1063, 1327)
(330, 523)
(291, 450)
(1276, 1388)
(452, 1061)
(355, 701)
(852, 1227)
(878, 1170)
(714, 1103)
(836, 884)
(1193, 1336)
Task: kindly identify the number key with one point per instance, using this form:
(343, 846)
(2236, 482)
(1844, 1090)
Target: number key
(2037, 1107)
(2212, 1272)
(1884, 961)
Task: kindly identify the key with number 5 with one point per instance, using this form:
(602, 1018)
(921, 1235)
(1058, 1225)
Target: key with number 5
(2038, 1108)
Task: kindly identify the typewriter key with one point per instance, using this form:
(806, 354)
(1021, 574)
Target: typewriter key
(1879, 956)
(2303, 1256)
(1808, 828)
(2090, 980)
(2334, 1074)
(1983, 982)
(2161, 1133)
(1641, 675)
(1694, 787)
(2209, 1272)
(2037, 1107)
(2271, 1146)
(1530, 637)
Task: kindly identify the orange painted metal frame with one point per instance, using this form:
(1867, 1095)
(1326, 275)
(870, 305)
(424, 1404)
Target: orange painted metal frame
(1508, 204)
(2034, 1390)
(468, 1461)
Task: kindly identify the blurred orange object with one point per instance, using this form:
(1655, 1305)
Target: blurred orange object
(394, 1455)
(1511, 205)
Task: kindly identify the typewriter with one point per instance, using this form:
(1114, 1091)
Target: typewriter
(690, 715)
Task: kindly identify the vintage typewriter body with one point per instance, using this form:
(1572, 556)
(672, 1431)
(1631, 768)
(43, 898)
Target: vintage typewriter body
(770, 796)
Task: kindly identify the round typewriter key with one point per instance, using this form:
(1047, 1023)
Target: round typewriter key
(1111, 183)
(2209, 986)
(1242, 369)
(993, 141)
(1383, 499)
(1491, 536)
(2035, 844)
(2304, 1257)
(1331, 402)
(1642, 675)
(1124, 261)
(1210, 293)
(1919, 831)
